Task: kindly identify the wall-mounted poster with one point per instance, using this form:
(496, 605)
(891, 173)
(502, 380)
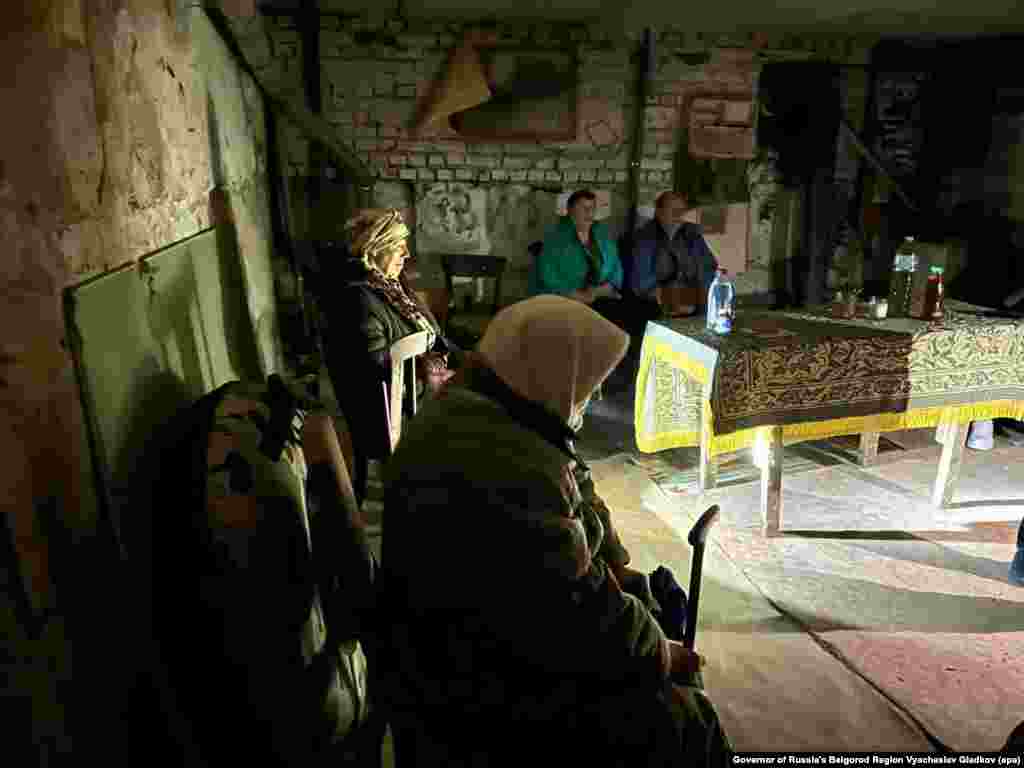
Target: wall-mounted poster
(452, 218)
(604, 203)
(533, 97)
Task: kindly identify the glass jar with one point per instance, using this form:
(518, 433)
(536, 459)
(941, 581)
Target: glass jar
(934, 296)
(850, 309)
(838, 304)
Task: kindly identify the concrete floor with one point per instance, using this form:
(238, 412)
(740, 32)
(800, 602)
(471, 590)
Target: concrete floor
(875, 623)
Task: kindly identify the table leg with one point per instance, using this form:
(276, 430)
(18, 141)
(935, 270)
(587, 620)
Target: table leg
(771, 484)
(953, 438)
(868, 448)
(708, 477)
(708, 471)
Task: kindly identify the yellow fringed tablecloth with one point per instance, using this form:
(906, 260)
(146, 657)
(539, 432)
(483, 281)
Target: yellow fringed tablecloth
(817, 376)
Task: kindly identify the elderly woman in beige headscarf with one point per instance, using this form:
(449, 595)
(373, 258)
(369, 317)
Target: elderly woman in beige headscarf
(371, 310)
(510, 621)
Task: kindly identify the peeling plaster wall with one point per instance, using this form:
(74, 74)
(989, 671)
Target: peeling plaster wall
(237, 161)
(121, 118)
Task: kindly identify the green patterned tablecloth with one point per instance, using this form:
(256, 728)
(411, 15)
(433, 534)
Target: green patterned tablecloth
(819, 376)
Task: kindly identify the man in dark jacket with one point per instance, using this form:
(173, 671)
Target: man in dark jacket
(668, 252)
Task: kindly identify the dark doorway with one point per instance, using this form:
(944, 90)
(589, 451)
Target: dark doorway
(800, 122)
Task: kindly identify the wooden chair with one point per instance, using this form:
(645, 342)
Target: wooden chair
(368, 486)
(467, 327)
(406, 349)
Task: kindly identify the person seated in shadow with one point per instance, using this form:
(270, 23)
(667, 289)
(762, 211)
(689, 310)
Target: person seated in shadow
(671, 265)
(371, 309)
(255, 580)
(986, 281)
(513, 615)
(580, 260)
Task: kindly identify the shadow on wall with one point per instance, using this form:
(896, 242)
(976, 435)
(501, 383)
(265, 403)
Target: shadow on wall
(170, 317)
(238, 326)
(506, 219)
(243, 352)
(245, 356)
(156, 337)
(216, 152)
(516, 217)
(157, 394)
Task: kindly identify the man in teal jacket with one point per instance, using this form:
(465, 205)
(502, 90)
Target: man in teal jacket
(580, 260)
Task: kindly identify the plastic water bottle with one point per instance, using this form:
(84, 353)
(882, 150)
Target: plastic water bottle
(901, 281)
(721, 298)
(712, 304)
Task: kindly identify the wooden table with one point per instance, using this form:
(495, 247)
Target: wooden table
(784, 377)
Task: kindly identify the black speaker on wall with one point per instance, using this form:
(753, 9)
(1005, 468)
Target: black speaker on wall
(800, 110)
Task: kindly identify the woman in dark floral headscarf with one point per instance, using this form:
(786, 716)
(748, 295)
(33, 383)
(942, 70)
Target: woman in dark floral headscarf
(374, 309)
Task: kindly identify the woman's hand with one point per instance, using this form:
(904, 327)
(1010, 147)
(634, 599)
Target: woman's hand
(586, 295)
(666, 296)
(435, 371)
(685, 663)
(590, 294)
(637, 584)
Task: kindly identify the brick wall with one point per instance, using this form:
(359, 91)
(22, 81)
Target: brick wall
(375, 75)
(371, 94)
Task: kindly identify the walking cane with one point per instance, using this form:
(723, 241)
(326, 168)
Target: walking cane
(697, 538)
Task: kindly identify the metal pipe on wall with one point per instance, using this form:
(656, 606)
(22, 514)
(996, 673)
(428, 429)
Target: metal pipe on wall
(281, 215)
(309, 32)
(313, 127)
(645, 71)
(323, 144)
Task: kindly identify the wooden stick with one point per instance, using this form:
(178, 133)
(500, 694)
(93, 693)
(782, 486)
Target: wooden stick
(697, 538)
